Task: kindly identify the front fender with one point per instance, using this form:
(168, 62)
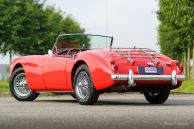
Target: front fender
(14, 64)
(32, 70)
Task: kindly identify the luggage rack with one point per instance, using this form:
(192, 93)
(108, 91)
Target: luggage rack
(138, 52)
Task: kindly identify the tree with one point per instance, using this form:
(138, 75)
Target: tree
(176, 30)
(28, 27)
(8, 11)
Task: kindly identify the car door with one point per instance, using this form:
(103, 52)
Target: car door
(54, 72)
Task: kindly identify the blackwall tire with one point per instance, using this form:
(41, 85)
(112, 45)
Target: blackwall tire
(19, 88)
(156, 96)
(84, 90)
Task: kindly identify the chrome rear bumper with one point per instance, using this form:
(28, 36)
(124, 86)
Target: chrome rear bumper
(174, 78)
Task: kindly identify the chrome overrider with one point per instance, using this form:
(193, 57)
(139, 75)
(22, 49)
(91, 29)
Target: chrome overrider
(174, 78)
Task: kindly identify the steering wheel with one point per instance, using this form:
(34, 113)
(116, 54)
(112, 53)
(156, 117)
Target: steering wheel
(54, 49)
(62, 51)
(71, 49)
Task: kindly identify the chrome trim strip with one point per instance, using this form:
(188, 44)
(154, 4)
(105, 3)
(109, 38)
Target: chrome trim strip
(174, 78)
(147, 77)
(121, 77)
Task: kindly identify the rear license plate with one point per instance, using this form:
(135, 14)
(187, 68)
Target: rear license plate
(150, 70)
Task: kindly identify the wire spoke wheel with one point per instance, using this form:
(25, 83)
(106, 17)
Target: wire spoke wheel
(20, 85)
(84, 90)
(82, 85)
(153, 93)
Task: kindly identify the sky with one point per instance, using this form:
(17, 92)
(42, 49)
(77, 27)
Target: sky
(130, 22)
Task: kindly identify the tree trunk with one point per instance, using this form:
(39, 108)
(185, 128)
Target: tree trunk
(188, 63)
(10, 56)
(193, 62)
(185, 63)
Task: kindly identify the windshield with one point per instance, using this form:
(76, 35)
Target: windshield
(86, 41)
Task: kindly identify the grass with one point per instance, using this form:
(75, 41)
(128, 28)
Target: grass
(187, 87)
(4, 87)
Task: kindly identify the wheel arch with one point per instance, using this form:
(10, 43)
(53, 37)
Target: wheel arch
(18, 69)
(75, 67)
(18, 65)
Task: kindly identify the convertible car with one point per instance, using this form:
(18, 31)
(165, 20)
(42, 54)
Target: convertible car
(86, 66)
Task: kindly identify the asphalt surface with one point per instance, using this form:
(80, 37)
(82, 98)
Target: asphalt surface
(114, 111)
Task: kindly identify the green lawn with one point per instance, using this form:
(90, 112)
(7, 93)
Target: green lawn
(187, 87)
(4, 87)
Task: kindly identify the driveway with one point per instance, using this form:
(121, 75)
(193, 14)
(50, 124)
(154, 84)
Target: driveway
(113, 111)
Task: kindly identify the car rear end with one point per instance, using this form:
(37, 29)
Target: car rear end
(144, 68)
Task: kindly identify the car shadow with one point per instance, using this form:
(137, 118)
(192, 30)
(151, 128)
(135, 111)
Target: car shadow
(56, 101)
(134, 103)
(130, 102)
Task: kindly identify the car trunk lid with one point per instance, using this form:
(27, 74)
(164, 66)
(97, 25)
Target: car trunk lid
(140, 60)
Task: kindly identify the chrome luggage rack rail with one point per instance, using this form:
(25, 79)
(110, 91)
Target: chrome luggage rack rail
(130, 53)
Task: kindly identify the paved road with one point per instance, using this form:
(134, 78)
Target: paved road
(115, 111)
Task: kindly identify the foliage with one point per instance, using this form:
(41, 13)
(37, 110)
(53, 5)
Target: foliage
(176, 30)
(28, 27)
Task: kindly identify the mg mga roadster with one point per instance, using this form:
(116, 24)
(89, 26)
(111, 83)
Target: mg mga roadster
(86, 66)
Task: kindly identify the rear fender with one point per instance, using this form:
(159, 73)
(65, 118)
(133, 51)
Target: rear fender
(100, 69)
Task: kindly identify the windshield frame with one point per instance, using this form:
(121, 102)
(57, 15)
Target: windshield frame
(111, 37)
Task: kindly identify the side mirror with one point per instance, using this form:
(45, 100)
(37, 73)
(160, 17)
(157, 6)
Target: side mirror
(50, 52)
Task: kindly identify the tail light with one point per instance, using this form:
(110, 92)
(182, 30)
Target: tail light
(113, 64)
(179, 66)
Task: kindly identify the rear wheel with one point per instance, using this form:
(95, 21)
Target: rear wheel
(19, 87)
(85, 92)
(156, 96)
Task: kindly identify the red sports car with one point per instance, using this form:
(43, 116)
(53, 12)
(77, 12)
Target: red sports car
(86, 66)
